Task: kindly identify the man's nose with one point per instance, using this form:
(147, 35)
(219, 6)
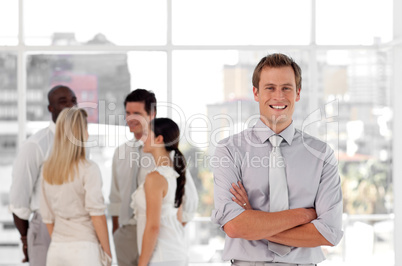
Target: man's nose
(71, 104)
(278, 94)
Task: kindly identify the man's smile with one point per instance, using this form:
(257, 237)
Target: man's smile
(278, 107)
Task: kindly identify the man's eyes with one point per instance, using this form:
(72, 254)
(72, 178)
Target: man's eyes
(136, 114)
(284, 88)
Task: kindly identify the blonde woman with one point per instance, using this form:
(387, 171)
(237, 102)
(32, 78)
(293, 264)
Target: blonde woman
(72, 204)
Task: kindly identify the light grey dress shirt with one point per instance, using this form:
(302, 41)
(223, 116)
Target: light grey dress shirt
(313, 182)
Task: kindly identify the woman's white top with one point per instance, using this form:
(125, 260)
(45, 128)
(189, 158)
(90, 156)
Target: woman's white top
(170, 245)
(70, 205)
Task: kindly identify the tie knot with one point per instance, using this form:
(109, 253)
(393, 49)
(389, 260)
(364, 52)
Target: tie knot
(275, 140)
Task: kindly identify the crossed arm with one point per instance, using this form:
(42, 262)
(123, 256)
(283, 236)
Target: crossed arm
(291, 227)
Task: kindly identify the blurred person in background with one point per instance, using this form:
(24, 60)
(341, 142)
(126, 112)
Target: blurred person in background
(72, 205)
(278, 192)
(25, 187)
(157, 202)
(129, 168)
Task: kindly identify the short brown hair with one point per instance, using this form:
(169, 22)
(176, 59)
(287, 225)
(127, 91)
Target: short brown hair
(145, 96)
(277, 60)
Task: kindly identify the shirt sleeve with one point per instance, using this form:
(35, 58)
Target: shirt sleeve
(190, 199)
(94, 201)
(44, 209)
(329, 204)
(226, 171)
(114, 196)
(25, 173)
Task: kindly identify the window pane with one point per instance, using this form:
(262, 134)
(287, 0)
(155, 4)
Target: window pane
(354, 22)
(75, 22)
(8, 22)
(101, 82)
(9, 236)
(104, 79)
(239, 22)
(360, 81)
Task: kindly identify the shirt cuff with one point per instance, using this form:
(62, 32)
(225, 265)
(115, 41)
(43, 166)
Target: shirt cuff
(97, 213)
(221, 218)
(114, 209)
(22, 213)
(333, 235)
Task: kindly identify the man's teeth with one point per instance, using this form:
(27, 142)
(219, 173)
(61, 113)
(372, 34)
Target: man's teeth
(278, 107)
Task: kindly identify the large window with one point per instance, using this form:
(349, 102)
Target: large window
(198, 57)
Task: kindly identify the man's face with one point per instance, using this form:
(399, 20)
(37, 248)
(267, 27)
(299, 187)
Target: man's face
(137, 118)
(277, 95)
(60, 99)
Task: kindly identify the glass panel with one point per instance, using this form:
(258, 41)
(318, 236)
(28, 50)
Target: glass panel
(101, 82)
(360, 83)
(8, 22)
(75, 22)
(104, 79)
(354, 22)
(239, 22)
(9, 237)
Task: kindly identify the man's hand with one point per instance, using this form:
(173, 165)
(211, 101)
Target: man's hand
(240, 196)
(25, 248)
(22, 226)
(115, 220)
(311, 214)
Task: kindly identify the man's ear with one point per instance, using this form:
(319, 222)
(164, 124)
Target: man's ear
(50, 108)
(255, 92)
(298, 94)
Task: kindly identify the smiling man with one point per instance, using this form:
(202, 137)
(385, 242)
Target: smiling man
(283, 211)
(277, 91)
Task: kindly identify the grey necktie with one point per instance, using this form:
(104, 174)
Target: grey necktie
(278, 188)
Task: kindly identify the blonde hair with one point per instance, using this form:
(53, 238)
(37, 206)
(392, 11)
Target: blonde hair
(68, 147)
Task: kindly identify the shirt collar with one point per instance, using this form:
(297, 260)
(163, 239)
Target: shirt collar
(263, 132)
(52, 126)
(139, 142)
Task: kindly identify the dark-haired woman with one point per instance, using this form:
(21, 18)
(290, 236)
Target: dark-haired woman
(157, 202)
